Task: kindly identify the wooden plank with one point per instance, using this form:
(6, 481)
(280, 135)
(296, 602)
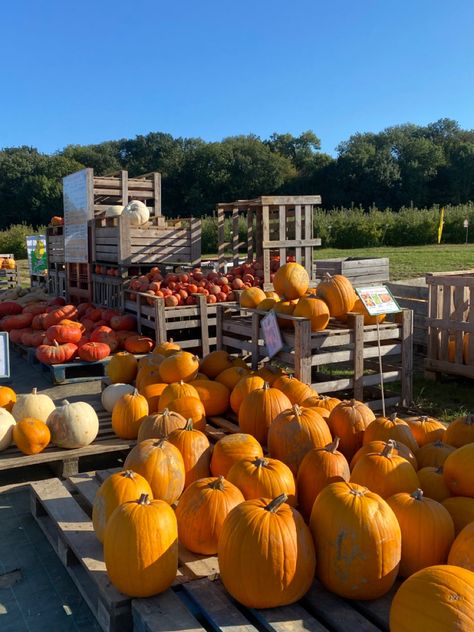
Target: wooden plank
(292, 618)
(282, 232)
(202, 304)
(163, 613)
(290, 243)
(378, 610)
(357, 321)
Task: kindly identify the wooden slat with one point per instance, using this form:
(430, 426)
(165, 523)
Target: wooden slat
(163, 613)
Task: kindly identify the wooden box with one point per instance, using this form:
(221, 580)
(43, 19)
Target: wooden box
(192, 326)
(157, 242)
(119, 189)
(450, 324)
(108, 291)
(9, 277)
(343, 358)
(359, 271)
(55, 244)
(79, 282)
(277, 226)
(414, 297)
(57, 285)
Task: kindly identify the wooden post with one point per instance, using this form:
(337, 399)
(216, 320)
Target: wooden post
(255, 337)
(266, 251)
(406, 319)
(308, 234)
(303, 350)
(298, 235)
(124, 242)
(220, 239)
(124, 186)
(282, 231)
(219, 326)
(195, 239)
(250, 235)
(160, 320)
(157, 192)
(202, 309)
(356, 323)
(235, 236)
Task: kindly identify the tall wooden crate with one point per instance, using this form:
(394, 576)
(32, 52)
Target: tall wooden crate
(119, 189)
(450, 324)
(9, 277)
(278, 225)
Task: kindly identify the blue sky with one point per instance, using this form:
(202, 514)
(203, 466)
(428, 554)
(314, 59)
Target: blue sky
(85, 71)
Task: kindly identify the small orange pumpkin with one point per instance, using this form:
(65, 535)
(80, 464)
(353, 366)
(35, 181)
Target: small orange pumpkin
(31, 436)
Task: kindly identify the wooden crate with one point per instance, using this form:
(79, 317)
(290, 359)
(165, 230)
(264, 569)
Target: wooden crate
(119, 189)
(108, 291)
(57, 285)
(450, 318)
(9, 278)
(197, 601)
(55, 245)
(350, 352)
(157, 242)
(79, 282)
(414, 297)
(192, 326)
(359, 271)
(276, 225)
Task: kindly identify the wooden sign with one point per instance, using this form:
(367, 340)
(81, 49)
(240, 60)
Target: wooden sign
(378, 299)
(271, 334)
(78, 202)
(37, 255)
(4, 356)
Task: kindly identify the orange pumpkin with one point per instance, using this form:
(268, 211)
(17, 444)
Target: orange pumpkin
(159, 425)
(176, 391)
(314, 310)
(433, 454)
(147, 375)
(231, 449)
(138, 344)
(167, 348)
(258, 410)
(251, 297)
(128, 413)
(190, 408)
(337, 292)
(231, 377)
(122, 368)
(263, 477)
(152, 394)
(291, 281)
(426, 429)
(294, 389)
(287, 308)
(179, 366)
(7, 398)
(460, 431)
(433, 484)
(398, 449)
(195, 450)
(31, 436)
(214, 363)
(359, 308)
(243, 387)
(348, 421)
(214, 396)
(383, 429)
(270, 373)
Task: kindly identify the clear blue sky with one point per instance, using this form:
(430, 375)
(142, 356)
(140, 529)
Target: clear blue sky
(84, 71)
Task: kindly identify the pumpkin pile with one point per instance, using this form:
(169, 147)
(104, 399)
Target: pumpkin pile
(61, 332)
(32, 422)
(333, 297)
(344, 486)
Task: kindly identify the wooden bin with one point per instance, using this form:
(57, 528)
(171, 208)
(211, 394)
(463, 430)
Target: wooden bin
(277, 225)
(450, 324)
(157, 242)
(119, 189)
(108, 291)
(192, 326)
(414, 297)
(359, 271)
(79, 282)
(55, 244)
(351, 347)
(57, 285)
(9, 277)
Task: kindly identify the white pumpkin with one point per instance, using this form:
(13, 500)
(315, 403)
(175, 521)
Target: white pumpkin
(34, 404)
(137, 212)
(7, 421)
(113, 211)
(112, 393)
(73, 425)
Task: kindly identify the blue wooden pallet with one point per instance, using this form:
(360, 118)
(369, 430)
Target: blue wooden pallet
(75, 371)
(27, 353)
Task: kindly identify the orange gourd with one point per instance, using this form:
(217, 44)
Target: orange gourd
(214, 363)
(383, 429)
(179, 366)
(128, 413)
(315, 310)
(195, 450)
(190, 408)
(122, 368)
(291, 281)
(338, 293)
(258, 410)
(263, 477)
(159, 425)
(30, 435)
(294, 389)
(231, 449)
(349, 421)
(243, 387)
(176, 391)
(214, 396)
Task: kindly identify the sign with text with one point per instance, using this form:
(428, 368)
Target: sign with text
(37, 256)
(378, 299)
(4, 356)
(271, 334)
(78, 202)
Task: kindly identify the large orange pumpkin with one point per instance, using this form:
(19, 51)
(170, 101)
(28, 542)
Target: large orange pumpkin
(128, 413)
(263, 477)
(214, 363)
(176, 390)
(195, 450)
(460, 431)
(458, 471)
(201, 512)
(243, 387)
(160, 425)
(337, 292)
(152, 394)
(315, 310)
(232, 448)
(258, 410)
(426, 429)
(294, 389)
(358, 541)
(214, 396)
(287, 308)
(179, 366)
(31, 436)
(270, 373)
(348, 421)
(147, 375)
(433, 454)
(399, 449)
(383, 429)
(433, 484)
(231, 377)
(251, 297)
(167, 348)
(461, 509)
(462, 549)
(122, 368)
(273, 539)
(291, 281)
(294, 432)
(190, 408)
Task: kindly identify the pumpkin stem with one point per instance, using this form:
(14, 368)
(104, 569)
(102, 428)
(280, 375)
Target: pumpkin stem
(143, 500)
(393, 417)
(218, 483)
(387, 451)
(34, 391)
(276, 503)
(439, 469)
(189, 424)
(135, 392)
(65, 402)
(266, 386)
(423, 418)
(128, 474)
(417, 494)
(353, 402)
(332, 447)
(260, 461)
(296, 409)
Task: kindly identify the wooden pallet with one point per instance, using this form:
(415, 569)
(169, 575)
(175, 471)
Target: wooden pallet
(75, 371)
(197, 600)
(66, 462)
(359, 271)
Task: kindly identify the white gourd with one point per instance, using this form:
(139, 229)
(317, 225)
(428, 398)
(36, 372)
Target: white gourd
(112, 393)
(34, 404)
(113, 211)
(137, 212)
(73, 425)
(7, 421)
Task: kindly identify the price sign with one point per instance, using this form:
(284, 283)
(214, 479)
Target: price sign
(271, 334)
(378, 300)
(4, 356)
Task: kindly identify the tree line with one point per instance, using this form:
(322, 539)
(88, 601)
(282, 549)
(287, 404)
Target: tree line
(404, 165)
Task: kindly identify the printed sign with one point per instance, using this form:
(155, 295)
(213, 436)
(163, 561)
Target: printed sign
(78, 210)
(377, 300)
(271, 334)
(37, 255)
(4, 356)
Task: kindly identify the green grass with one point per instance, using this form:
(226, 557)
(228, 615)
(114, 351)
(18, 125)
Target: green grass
(446, 400)
(412, 261)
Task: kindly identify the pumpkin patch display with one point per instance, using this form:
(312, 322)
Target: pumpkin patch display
(114, 491)
(30, 435)
(438, 599)
(275, 539)
(358, 541)
(201, 512)
(427, 531)
(263, 477)
(74, 425)
(141, 547)
(128, 413)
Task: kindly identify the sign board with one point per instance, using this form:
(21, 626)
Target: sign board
(4, 356)
(271, 334)
(466, 223)
(377, 299)
(37, 255)
(78, 202)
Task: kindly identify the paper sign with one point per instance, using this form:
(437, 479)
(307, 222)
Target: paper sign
(37, 255)
(271, 334)
(377, 300)
(4, 355)
(78, 210)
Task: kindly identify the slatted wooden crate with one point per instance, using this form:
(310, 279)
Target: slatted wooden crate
(108, 291)
(119, 189)
(197, 601)
(450, 324)
(79, 282)
(55, 244)
(414, 297)
(9, 278)
(348, 351)
(360, 271)
(276, 226)
(157, 242)
(192, 326)
(57, 285)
